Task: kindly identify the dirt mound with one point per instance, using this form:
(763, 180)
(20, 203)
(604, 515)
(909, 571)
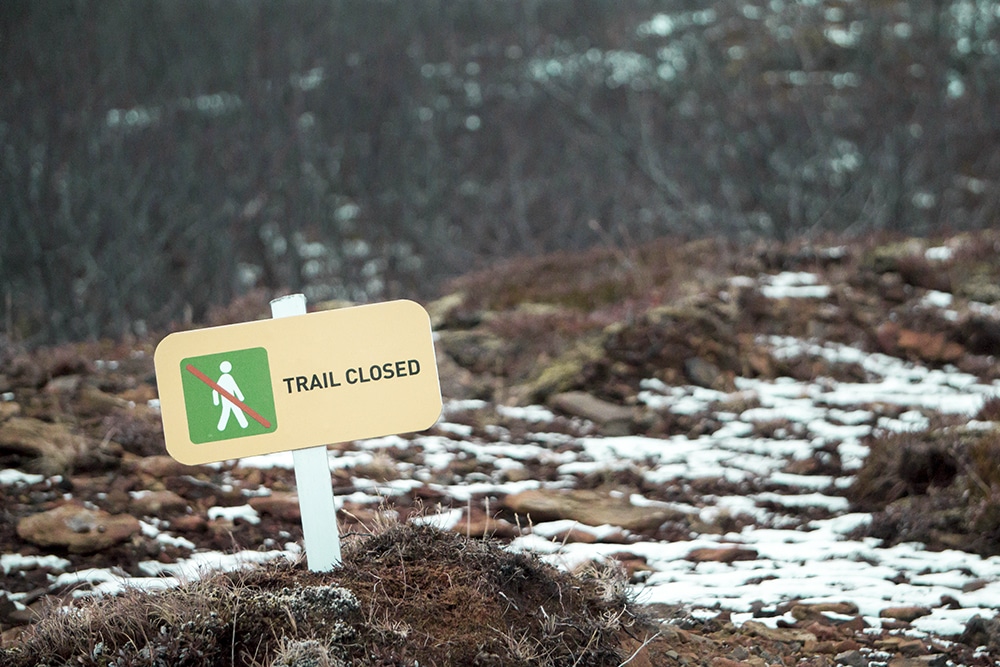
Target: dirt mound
(410, 595)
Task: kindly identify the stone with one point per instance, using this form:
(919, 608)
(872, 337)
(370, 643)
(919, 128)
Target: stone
(821, 646)
(564, 373)
(280, 505)
(460, 383)
(907, 614)
(823, 631)
(575, 535)
(189, 523)
(613, 419)
(140, 394)
(849, 644)
(9, 409)
(164, 466)
(911, 648)
(886, 336)
(64, 384)
(926, 346)
(90, 485)
(930, 347)
(51, 448)
(702, 373)
(787, 635)
(719, 661)
(809, 466)
(589, 507)
(931, 660)
(77, 529)
(481, 525)
(441, 310)
(852, 658)
(804, 611)
(477, 351)
(721, 555)
(158, 503)
(91, 402)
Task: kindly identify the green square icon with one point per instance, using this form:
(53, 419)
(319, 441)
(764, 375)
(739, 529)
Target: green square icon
(228, 395)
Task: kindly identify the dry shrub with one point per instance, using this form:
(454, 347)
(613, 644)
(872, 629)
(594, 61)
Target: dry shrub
(980, 335)
(585, 281)
(983, 464)
(939, 487)
(8, 351)
(990, 411)
(137, 431)
(533, 340)
(35, 368)
(976, 267)
(439, 598)
(407, 595)
(254, 305)
(902, 464)
(661, 344)
(592, 279)
(918, 271)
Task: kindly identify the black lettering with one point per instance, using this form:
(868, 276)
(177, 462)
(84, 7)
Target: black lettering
(326, 381)
(361, 373)
(414, 366)
(315, 384)
(349, 380)
(333, 383)
(387, 372)
(300, 383)
(400, 369)
(376, 369)
(288, 383)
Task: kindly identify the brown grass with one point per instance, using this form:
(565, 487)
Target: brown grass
(407, 595)
(658, 271)
(940, 487)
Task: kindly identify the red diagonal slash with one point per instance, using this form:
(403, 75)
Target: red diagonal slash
(250, 412)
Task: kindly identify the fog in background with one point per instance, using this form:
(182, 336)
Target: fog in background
(161, 157)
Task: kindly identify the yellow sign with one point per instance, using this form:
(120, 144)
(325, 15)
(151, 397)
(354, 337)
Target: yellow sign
(296, 382)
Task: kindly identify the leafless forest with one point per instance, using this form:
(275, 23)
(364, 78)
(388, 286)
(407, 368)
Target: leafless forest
(157, 158)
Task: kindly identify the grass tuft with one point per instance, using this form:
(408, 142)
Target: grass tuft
(406, 595)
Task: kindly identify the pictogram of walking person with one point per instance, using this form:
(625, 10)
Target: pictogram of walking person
(227, 382)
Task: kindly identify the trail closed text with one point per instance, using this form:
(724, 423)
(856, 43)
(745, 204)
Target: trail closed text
(355, 375)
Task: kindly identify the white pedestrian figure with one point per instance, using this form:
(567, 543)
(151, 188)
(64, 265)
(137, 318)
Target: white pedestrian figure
(227, 382)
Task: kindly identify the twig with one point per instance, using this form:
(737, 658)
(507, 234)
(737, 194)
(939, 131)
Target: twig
(639, 650)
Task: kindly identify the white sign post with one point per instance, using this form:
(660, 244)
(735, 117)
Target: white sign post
(312, 479)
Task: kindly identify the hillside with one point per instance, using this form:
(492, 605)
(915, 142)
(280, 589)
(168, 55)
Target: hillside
(675, 453)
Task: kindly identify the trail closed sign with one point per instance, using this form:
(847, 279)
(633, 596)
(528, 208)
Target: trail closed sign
(296, 382)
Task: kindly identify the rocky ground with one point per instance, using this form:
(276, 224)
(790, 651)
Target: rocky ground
(789, 452)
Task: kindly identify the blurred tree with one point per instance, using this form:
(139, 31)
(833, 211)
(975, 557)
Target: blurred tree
(158, 158)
